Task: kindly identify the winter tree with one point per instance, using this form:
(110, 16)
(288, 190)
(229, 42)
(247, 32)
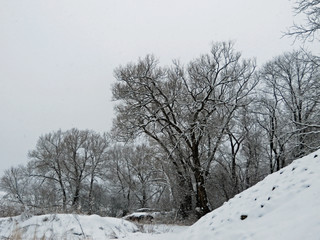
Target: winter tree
(185, 110)
(292, 104)
(311, 25)
(73, 160)
(136, 175)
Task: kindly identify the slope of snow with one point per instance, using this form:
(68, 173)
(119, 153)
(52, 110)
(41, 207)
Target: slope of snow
(65, 226)
(285, 205)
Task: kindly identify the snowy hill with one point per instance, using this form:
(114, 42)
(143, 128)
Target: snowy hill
(285, 205)
(65, 226)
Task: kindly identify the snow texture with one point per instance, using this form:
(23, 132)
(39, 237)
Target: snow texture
(66, 226)
(285, 205)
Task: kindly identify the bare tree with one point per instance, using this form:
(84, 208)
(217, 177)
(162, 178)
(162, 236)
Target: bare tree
(121, 178)
(273, 121)
(76, 161)
(237, 133)
(293, 81)
(97, 146)
(253, 169)
(307, 30)
(48, 160)
(177, 107)
(15, 183)
(136, 175)
(72, 160)
(25, 193)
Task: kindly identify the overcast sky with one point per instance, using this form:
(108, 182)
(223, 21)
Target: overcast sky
(57, 57)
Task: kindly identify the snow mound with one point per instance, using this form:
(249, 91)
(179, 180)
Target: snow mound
(65, 226)
(285, 205)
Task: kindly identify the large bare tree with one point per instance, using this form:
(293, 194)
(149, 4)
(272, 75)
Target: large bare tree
(185, 110)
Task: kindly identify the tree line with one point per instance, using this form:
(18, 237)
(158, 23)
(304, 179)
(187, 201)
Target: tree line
(220, 123)
(185, 137)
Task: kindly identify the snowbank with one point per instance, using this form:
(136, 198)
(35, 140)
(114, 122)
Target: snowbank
(285, 205)
(66, 226)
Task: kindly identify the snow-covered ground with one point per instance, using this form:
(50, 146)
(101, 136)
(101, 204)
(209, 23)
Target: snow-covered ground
(65, 226)
(285, 205)
(158, 232)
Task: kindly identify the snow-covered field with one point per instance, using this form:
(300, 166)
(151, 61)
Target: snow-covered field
(285, 205)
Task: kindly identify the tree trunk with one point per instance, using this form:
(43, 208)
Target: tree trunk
(76, 197)
(90, 195)
(64, 194)
(184, 196)
(144, 196)
(202, 203)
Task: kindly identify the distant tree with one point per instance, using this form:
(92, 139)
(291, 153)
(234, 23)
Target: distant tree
(236, 134)
(135, 174)
(24, 193)
(73, 161)
(307, 30)
(76, 161)
(15, 182)
(98, 146)
(48, 160)
(122, 178)
(292, 100)
(252, 168)
(273, 122)
(237, 162)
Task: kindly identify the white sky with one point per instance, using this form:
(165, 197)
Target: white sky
(57, 57)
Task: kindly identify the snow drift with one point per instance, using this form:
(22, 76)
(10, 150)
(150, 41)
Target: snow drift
(285, 205)
(65, 226)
